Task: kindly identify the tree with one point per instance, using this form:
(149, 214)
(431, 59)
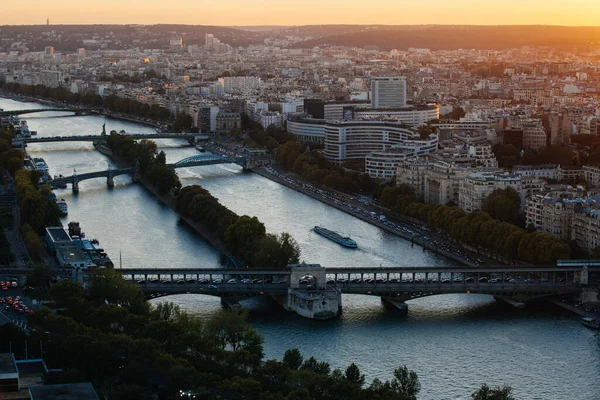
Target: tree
(277, 251)
(406, 383)
(233, 333)
(504, 205)
(293, 358)
(242, 237)
(108, 286)
(65, 292)
(353, 375)
(40, 277)
(487, 393)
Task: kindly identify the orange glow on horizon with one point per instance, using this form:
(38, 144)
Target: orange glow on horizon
(307, 12)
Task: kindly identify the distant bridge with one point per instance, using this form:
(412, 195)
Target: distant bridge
(76, 110)
(109, 174)
(102, 138)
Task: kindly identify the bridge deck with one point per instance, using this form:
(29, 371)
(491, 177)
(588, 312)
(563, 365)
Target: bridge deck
(94, 138)
(357, 271)
(375, 289)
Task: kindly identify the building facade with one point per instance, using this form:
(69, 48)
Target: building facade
(476, 187)
(388, 92)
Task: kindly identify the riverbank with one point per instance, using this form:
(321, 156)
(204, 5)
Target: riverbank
(113, 115)
(170, 201)
(417, 238)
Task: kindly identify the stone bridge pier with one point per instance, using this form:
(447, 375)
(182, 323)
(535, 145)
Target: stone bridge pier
(314, 301)
(110, 179)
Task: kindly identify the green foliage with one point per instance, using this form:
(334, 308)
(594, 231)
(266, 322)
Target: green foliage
(315, 168)
(277, 251)
(152, 164)
(112, 102)
(550, 155)
(163, 351)
(183, 122)
(245, 237)
(353, 375)
(6, 255)
(33, 243)
(40, 277)
(507, 155)
(293, 358)
(487, 393)
(504, 205)
(480, 230)
(107, 286)
(406, 383)
(12, 160)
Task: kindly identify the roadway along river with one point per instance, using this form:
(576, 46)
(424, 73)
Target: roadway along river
(454, 342)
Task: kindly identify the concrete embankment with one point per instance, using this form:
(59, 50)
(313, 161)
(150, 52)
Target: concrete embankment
(171, 201)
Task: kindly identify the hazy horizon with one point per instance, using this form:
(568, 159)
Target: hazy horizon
(297, 25)
(577, 13)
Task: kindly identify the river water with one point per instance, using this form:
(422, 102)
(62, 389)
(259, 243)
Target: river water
(454, 342)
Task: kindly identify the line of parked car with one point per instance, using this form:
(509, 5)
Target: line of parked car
(214, 282)
(5, 285)
(469, 279)
(15, 304)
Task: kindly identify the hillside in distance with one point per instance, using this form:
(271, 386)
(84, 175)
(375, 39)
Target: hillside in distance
(118, 37)
(450, 37)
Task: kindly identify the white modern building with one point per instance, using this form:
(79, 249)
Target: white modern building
(355, 139)
(307, 130)
(388, 92)
(410, 115)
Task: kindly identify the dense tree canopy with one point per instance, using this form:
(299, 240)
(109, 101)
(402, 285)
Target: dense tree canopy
(245, 237)
(112, 102)
(504, 205)
(110, 336)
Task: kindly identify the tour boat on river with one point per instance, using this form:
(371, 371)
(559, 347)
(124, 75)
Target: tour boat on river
(336, 237)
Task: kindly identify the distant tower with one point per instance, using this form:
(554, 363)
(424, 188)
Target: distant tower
(47, 21)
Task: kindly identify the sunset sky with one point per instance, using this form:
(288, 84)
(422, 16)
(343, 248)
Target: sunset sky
(281, 12)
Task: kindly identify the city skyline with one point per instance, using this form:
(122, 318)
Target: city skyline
(310, 12)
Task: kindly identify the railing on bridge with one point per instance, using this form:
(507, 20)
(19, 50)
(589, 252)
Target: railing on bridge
(203, 159)
(194, 161)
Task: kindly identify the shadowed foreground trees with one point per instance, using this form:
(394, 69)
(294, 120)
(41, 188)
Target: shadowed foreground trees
(109, 335)
(487, 393)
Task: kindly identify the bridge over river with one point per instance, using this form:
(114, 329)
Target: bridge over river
(193, 137)
(315, 292)
(76, 110)
(109, 174)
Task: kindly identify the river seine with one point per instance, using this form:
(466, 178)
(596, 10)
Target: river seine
(454, 342)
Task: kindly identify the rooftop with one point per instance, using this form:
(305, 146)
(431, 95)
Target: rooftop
(58, 234)
(7, 365)
(71, 391)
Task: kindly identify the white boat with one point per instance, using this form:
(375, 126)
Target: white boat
(200, 148)
(62, 205)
